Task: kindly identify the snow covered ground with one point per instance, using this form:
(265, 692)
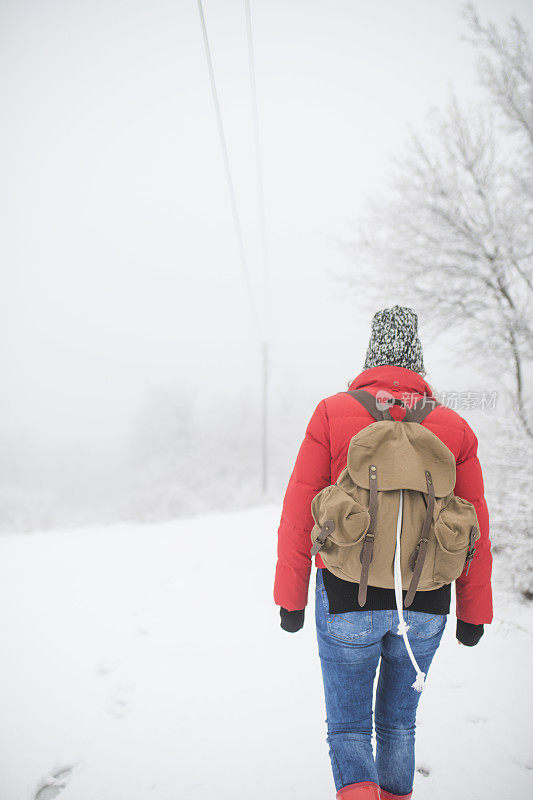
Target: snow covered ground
(147, 661)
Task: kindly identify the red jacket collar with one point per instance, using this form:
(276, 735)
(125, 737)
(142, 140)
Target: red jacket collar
(395, 379)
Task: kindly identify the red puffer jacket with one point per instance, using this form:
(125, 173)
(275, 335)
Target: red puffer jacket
(323, 455)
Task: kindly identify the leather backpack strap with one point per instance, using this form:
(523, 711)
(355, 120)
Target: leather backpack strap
(327, 528)
(471, 548)
(368, 541)
(369, 402)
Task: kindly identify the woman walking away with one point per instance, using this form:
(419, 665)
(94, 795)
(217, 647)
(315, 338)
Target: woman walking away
(387, 494)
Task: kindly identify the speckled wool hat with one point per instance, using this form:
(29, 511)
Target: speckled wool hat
(394, 340)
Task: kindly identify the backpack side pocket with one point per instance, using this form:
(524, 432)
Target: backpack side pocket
(452, 532)
(351, 521)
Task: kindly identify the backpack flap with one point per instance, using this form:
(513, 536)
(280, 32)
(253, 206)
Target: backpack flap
(404, 452)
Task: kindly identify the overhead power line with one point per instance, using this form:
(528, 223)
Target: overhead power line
(258, 163)
(237, 224)
(229, 179)
(264, 251)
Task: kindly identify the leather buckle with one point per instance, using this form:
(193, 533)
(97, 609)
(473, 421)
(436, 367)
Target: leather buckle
(469, 557)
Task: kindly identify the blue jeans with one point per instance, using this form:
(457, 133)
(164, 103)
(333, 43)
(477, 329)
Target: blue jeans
(350, 646)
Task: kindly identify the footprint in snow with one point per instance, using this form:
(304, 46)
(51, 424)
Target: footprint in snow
(142, 630)
(105, 667)
(54, 784)
(142, 625)
(118, 706)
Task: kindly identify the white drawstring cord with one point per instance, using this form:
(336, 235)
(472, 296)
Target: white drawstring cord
(403, 627)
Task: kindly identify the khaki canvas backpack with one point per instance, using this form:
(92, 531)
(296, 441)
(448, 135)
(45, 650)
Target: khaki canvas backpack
(397, 487)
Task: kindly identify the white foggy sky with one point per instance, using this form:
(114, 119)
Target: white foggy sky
(119, 261)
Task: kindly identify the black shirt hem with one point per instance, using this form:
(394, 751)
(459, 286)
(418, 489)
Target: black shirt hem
(342, 597)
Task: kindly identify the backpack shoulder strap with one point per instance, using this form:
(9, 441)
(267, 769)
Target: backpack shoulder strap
(369, 402)
(417, 413)
(421, 409)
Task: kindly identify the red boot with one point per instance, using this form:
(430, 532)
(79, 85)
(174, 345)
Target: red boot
(365, 790)
(385, 795)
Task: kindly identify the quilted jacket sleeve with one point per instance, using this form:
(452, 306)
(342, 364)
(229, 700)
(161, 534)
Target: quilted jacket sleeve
(310, 474)
(474, 591)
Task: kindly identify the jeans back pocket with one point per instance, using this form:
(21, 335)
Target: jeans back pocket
(424, 625)
(351, 626)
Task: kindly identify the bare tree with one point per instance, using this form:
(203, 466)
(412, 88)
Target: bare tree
(505, 68)
(453, 235)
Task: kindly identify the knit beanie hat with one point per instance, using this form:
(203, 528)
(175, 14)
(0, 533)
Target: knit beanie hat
(394, 340)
